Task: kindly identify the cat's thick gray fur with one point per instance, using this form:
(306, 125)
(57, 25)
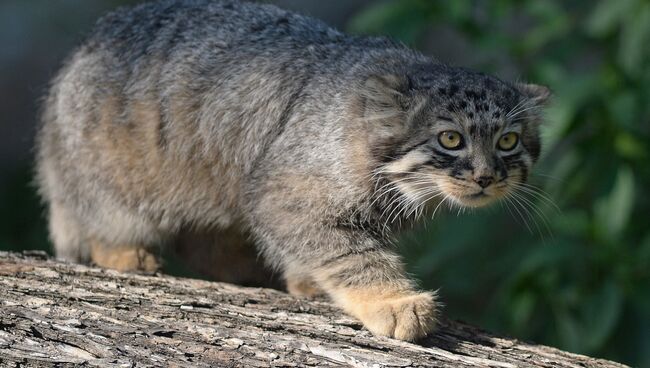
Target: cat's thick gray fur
(205, 114)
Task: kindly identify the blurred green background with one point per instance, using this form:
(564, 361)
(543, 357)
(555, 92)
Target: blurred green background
(567, 266)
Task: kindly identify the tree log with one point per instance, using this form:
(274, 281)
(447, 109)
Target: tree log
(60, 314)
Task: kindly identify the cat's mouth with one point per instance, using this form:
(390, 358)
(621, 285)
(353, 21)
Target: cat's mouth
(479, 194)
(468, 194)
(478, 199)
(475, 197)
(456, 192)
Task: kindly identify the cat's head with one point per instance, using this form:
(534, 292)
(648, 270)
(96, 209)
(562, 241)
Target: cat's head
(438, 132)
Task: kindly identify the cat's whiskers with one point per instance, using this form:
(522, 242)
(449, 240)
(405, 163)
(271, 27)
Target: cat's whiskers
(520, 107)
(404, 203)
(432, 196)
(399, 202)
(429, 195)
(393, 204)
(540, 196)
(536, 192)
(537, 211)
(514, 109)
(407, 196)
(433, 215)
(411, 176)
(509, 199)
(532, 109)
(401, 207)
(506, 201)
(547, 176)
(392, 186)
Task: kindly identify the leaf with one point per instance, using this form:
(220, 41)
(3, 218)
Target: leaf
(607, 15)
(521, 309)
(644, 254)
(551, 72)
(570, 97)
(544, 257)
(459, 10)
(403, 20)
(574, 222)
(563, 170)
(622, 108)
(552, 23)
(634, 41)
(630, 146)
(613, 211)
(601, 313)
(568, 330)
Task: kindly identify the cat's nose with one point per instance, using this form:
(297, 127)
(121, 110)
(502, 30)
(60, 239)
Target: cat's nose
(484, 181)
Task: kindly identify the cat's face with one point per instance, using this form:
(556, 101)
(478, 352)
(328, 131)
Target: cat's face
(461, 137)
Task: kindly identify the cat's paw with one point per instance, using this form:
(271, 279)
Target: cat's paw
(404, 316)
(125, 259)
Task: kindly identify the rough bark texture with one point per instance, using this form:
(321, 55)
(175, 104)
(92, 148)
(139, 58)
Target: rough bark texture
(54, 313)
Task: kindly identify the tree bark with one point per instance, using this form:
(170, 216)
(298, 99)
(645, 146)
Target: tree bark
(54, 313)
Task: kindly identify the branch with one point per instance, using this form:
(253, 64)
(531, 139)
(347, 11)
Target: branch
(66, 314)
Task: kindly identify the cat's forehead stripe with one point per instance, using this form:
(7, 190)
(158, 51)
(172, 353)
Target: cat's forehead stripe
(482, 130)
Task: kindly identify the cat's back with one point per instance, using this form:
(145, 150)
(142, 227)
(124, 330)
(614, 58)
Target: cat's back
(167, 26)
(192, 58)
(163, 95)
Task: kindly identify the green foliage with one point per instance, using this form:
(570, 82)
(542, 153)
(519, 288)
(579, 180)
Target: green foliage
(580, 278)
(21, 223)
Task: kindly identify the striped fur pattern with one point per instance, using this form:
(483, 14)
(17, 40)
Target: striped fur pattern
(204, 115)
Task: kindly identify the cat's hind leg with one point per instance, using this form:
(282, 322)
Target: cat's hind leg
(125, 257)
(66, 234)
(118, 242)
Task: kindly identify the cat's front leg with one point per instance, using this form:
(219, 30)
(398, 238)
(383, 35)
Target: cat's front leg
(361, 275)
(370, 284)
(292, 222)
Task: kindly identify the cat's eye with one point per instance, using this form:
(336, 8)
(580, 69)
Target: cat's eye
(508, 141)
(450, 140)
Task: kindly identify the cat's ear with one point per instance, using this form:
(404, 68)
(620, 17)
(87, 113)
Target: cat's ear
(538, 94)
(385, 93)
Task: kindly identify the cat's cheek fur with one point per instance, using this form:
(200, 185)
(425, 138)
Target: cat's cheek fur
(406, 164)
